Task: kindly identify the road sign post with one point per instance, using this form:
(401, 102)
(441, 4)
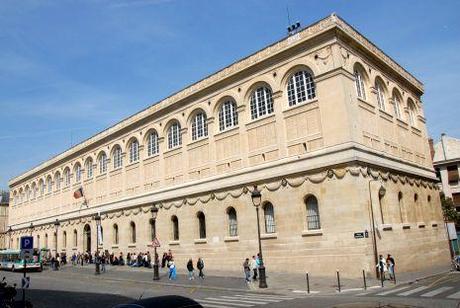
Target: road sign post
(27, 247)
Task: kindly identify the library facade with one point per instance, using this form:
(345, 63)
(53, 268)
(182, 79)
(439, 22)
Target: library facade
(329, 129)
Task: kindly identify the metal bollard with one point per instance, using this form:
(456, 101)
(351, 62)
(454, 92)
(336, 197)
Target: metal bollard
(308, 284)
(338, 280)
(364, 280)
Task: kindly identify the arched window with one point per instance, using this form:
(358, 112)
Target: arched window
(102, 163)
(175, 227)
(228, 116)
(201, 224)
(115, 234)
(132, 227)
(67, 177)
(41, 186)
(34, 190)
(27, 193)
(102, 235)
(64, 239)
(174, 135)
(412, 112)
(397, 104)
(301, 88)
(313, 222)
(46, 240)
(261, 102)
(89, 168)
(77, 173)
(75, 238)
(49, 184)
(152, 229)
(57, 180)
(232, 222)
(379, 92)
(134, 151)
(153, 147)
(359, 83)
(199, 126)
(269, 218)
(117, 159)
(38, 241)
(401, 206)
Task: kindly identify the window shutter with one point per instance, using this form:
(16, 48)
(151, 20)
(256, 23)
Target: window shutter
(456, 199)
(452, 173)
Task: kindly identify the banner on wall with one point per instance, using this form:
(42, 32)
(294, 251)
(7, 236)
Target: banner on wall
(451, 230)
(99, 234)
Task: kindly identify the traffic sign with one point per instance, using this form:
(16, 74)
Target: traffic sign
(26, 254)
(25, 282)
(156, 243)
(27, 242)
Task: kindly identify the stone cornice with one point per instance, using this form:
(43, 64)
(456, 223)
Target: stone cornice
(307, 33)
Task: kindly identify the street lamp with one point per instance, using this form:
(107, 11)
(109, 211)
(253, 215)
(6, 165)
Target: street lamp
(382, 192)
(56, 226)
(256, 197)
(97, 218)
(156, 274)
(10, 230)
(31, 228)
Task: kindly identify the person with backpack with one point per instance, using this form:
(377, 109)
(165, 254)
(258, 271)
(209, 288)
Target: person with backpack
(200, 267)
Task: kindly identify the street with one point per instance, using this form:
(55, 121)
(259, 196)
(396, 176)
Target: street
(77, 287)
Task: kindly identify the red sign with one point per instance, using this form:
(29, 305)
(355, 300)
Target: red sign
(156, 243)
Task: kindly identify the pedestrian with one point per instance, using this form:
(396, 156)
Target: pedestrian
(247, 270)
(164, 260)
(200, 267)
(382, 267)
(391, 267)
(191, 270)
(254, 267)
(103, 261)
(172, 270)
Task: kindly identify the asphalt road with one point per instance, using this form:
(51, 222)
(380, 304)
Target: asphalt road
(74, 288)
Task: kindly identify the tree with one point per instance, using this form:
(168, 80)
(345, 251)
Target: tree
(449, 211)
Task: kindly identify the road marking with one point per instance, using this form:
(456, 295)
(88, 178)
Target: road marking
(213, 306)
(412, 291)
(362, 294)
(249, 301)
(218, 302)
(272, 300)
(392, 291)
(229, 302)
(436, 292)
(271, 296)
(455, 295)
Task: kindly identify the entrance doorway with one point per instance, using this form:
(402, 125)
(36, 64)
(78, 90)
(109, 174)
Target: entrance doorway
(87, 238)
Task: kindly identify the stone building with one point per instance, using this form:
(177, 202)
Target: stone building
(329, 128)
(4, 202)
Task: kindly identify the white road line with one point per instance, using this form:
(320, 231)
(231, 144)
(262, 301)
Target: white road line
(271, 296)
(362, 294)
(455, 295)
(218, 302)
(419, 289)
(436, 292)
(230, 301)
(392, 291)
(264, 299)
(246, 301)
(214, 306)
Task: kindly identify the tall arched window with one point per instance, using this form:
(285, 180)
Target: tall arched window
(75, 238)
(134, 151)
(27, 193)
(115, 234)
(57, 180)
(379, 92)
(46, 240)
(301, 88)
(401, 206)
(412, 112)
(132, 227)
(199, 126)
(41, 187)
(64, 239)
(261, 102)
(67, 177)
(152, 229)
(49, 184)
(232, 222)
(34, 190)
(117, 158)
(77, 173)
(201, 224)
(313, 222)
(228, 116)
(175, 227)
(174, 135)
(359, 83)
(269, 218)
(152, 147)
(38, 241)
(397, 104)
(89, 168)
(102, 163)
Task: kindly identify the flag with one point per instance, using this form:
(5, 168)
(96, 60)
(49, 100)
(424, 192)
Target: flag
(78, 193)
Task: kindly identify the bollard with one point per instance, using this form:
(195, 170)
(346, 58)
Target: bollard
(364, 280)
(338, 280)
(308, 284)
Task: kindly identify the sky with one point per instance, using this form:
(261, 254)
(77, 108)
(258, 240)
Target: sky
(69, 69)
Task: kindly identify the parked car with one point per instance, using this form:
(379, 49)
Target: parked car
(168, 301)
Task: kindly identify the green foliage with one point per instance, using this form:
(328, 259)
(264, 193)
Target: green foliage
(448, 209)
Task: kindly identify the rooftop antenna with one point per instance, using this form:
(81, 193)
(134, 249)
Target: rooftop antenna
(292, 28)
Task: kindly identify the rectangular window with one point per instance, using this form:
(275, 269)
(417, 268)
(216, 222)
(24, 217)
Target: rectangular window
(452, 174)
(456, 199)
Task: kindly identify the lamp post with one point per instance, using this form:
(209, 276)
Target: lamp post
(97, 218)
(256, 197)
(56, 226)
(10, 230)
(31, 228)
(382, 192)
(156, 274)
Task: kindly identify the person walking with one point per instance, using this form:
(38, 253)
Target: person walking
(254, 267)
(391, 267)
(382, 267)
(172, 270)
(191, 273)
(200, 267)
(247, 270)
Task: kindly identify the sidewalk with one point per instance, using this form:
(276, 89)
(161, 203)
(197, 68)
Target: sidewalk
(282, 283)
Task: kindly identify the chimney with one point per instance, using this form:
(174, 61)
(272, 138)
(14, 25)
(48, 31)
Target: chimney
(443, 146)
(430, 142)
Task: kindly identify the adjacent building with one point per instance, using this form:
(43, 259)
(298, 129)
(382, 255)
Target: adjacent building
(329, 128)
(4, 202)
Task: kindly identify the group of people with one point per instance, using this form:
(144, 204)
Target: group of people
(168, 261)
(386, 268)
(251, 267)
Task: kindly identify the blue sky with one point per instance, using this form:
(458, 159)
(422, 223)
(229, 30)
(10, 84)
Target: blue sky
(68, 69)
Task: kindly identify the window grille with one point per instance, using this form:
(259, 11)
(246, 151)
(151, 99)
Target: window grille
(261, 102)
(380, 96)
(77, 174)
(117, 158)
(232, 223)
(228, 115)
(269, 218)
(174, 136)
(89, 169)
(103, 163)
(301, 88)
(359, 83)
(199, 126)
(313, 222)
(134, 151)
(152, 147)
